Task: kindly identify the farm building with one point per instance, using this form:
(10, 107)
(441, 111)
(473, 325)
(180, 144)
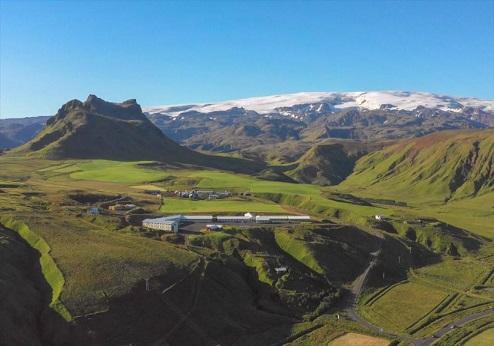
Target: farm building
(203, 194)
(116, 207)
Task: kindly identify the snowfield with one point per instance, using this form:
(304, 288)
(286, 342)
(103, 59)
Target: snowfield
(400, 100)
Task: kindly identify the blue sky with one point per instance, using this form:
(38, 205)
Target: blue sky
(178, 52)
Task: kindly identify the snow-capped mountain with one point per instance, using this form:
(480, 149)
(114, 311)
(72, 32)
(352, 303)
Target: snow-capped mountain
(334, 101)
(303, 117)
(310, 117)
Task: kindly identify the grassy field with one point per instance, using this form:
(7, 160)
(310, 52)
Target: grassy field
(230, 205)
(472, 214)
(118, 172)
(403, 305)
(354, 339)
(112, 263)
(454, 274)
(486, 338)
(99, 261)
(132, 173)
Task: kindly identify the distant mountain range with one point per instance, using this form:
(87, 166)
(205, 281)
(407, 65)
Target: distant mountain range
(252, 126)
(324, 102)
(17, 131)
(283, 127)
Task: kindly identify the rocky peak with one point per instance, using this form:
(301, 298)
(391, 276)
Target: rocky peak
(127, 110)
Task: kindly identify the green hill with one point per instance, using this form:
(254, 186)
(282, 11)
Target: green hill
(100, 129)
(330, 162)
(97, 129)
(438, 167)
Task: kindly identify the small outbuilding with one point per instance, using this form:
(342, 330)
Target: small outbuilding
(281, 270)
(214, 227)
(93, 211)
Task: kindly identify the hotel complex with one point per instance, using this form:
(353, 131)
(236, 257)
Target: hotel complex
(171, 223)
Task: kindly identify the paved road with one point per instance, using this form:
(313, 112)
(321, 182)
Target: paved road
(351, 310)
(351, 303)
(458, 323)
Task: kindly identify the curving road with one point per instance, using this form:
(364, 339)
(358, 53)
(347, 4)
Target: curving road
(351, 311)
(458, 323)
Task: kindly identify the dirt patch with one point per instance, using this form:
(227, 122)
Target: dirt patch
(354, 339)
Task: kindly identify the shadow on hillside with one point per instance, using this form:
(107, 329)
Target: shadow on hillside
(212, 305)
(25, 316)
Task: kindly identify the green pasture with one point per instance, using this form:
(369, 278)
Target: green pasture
(182, 205)
(308, 197)
(115, 171)
(485, 338)
(403, 305)
(454, 274)
(473, 214)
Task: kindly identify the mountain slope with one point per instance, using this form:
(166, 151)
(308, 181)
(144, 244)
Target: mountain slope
(441, 166)
(6, 142)
(17, 131)
(264, 122)
(330, 162)
(96, 129)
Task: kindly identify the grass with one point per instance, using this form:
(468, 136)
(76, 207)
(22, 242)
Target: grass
(417, 170)
(257, 262)
(328, 328)
(486, 338)
(113, 262)
(181, 205)
(49, 268)
(113, 171)
(96, 260)
(477, 332)
(298, 249)
(313, 201)
(455, 274)
(354, 339)
(403, 305)
(213, 240)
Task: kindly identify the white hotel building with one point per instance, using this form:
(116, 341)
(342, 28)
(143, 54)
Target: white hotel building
(171, 223)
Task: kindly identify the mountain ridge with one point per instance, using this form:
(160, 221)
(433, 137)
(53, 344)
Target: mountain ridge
(97, 129)
(442, 166)
(371, 100)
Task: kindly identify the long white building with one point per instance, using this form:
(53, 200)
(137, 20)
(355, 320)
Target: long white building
(162, 223)
(172, 223)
